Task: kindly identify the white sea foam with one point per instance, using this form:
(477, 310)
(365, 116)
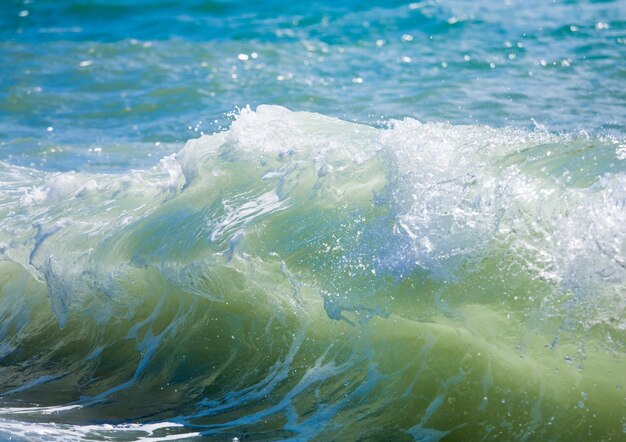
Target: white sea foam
(52, 432)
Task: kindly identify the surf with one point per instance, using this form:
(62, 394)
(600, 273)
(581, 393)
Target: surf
(299, 276)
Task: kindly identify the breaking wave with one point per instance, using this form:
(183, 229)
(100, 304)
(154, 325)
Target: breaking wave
(298, 276)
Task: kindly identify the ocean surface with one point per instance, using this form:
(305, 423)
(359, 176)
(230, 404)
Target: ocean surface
(326, 221)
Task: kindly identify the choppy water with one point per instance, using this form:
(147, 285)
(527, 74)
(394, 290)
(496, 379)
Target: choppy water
(427, 243)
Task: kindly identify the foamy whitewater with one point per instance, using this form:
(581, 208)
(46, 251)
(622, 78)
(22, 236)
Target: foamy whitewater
(312, 221)
(301, 277)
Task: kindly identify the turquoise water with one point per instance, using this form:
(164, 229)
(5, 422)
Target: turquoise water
(329, 221)
(128, 74)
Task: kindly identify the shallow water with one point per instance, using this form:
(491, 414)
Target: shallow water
(428, 242)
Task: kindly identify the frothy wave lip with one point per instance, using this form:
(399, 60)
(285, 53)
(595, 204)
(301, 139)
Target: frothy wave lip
(452, 195)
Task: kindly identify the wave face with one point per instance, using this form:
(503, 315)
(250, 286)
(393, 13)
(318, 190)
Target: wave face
(302, 277)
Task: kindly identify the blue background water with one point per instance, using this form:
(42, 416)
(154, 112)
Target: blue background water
(108, 85)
